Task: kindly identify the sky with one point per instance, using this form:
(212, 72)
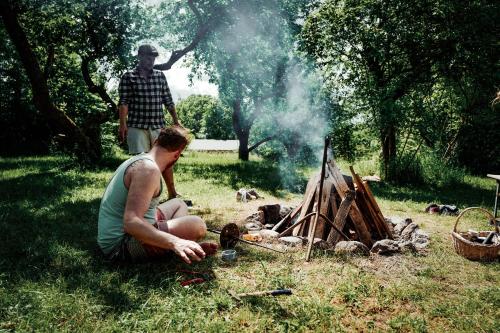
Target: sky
(178, 81)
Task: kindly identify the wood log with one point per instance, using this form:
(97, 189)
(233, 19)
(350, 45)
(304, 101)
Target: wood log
(356, 216)
(310, 194)
(332, 212)
(378, 211)
(364, 200)
(340, 218)
(368, 214)
(371, 203)
(325, 205)
(288, 218)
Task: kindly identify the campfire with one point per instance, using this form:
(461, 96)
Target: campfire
(335, 208)
(347, 211)
(337, 212)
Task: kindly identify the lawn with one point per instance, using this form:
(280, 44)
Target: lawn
(52, 278)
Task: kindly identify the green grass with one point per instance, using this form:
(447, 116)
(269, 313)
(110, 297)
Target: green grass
(51, 278)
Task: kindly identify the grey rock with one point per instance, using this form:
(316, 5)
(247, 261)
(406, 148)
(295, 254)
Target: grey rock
(394, 220)
(321, 244)
(400, 226)
(386, 246)
(253, 226)
(407, 246)
(256, 218)
(408, 231)
(269, 234)
(420, 239)
(284, 210)
(291, 240)
(351, 247)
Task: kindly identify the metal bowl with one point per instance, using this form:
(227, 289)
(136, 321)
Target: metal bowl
(228, 255)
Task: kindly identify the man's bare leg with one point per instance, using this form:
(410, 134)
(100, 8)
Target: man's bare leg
(173, 208)
(178, 223)
(192, 228)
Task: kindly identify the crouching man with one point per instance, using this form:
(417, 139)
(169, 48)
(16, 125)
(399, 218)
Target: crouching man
(132, 225)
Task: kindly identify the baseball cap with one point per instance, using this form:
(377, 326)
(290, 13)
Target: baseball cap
(147, 49)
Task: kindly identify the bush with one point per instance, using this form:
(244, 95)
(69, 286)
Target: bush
(426, 168)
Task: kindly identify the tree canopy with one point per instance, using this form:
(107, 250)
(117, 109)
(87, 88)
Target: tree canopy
(206, 117)
(399, 61)
(407, 78)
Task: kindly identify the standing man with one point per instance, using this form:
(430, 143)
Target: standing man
(143, 93)
(133, 226)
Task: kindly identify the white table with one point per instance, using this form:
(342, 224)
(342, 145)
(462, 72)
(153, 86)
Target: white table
(497, 178)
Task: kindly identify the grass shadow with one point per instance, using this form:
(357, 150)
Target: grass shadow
(261, 175)
(461, 195)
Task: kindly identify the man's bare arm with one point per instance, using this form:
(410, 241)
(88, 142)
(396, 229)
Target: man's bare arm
(143, 183)
(123, 129)
(168, 176)
(173, 114)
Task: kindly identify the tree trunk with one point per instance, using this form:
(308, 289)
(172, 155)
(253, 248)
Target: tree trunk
(112, 108)
(243, 152)
(58, 119)
(241, 129)
(388, 138)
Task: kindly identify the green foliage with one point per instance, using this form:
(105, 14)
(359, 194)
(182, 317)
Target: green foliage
(248, 55)
(206, 117)
(425, 167)
(423, 70)
(64, 36)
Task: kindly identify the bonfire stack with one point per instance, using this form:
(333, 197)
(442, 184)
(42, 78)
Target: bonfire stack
(347, 210)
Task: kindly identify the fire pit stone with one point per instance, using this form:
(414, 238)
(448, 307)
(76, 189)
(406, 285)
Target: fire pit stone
(269, 234)
(291, 241)
(386, 246)
(351, 247)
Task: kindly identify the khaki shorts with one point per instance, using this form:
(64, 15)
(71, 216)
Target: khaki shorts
(141, 140)
(132, 250)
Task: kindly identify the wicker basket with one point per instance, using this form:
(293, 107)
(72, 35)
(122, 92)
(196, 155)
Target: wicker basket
(473, 250)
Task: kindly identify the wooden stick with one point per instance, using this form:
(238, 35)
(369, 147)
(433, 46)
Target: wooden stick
(320, 227)
(296, 224)
(291, 214)
(377, 209)
(335, 227)
(318, 209)
(306, 206)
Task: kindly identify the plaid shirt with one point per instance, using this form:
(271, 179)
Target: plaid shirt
(145, 98)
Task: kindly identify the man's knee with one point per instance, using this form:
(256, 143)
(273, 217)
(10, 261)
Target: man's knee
(200, 228)
(188, 227)
(178, 203)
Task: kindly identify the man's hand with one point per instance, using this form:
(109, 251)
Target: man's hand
(174, 195)
(122, 132)
(188, 250)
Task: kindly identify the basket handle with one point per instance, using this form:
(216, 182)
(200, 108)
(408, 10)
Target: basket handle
(490, 216)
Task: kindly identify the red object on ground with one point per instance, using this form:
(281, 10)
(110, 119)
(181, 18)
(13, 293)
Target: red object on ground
(192, 281)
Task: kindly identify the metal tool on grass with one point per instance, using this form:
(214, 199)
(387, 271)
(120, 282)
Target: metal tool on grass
(230, 235)
(276, 292)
